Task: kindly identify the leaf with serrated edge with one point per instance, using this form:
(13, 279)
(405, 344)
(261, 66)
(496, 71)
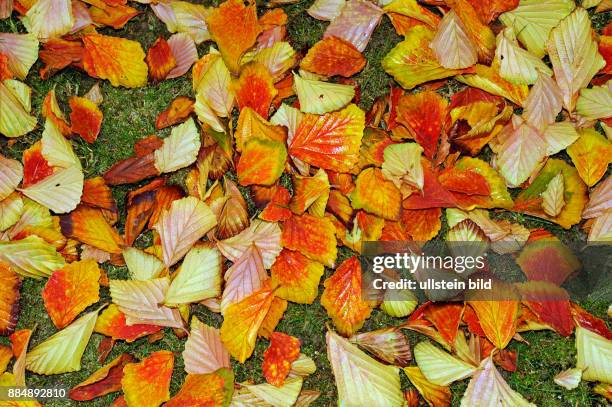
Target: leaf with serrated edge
(517, 65)
(180, 149)
(204, 352)
(246, 276)
(31, 257)
(439, 367)
(141, 265)
(265, 235)
(61, 192)
(594, 353)
(453, 47)
(552, 197)
(321, 97)
(11, 173)
(198, 278)
(595, 103)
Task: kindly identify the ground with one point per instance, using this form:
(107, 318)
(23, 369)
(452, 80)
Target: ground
(129, 115)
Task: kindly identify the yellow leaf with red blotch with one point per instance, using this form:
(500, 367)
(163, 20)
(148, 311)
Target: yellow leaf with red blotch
(119, 60)
(160, 59)
(498, 197)
(15, 117)
(243, 319)
(211, 390)
(283, 351)
(374, 194)
(423, 114)
(498, 317)
(234, 27)
(116, 16)
(147, 384)
(178, 111)
(314, 237)
(342, 297)
(333, 56)
(575, 194)
(103, 381)
(262, 161)
(330, 141)
(49, 18)
(180, 226)
(438, 396)
(112, 323)
(9, 299)
(275, 314)
(86, 118)
(70, 290)
(310, 193)
(489, 79)
(89, 226)
(62, 352)
(254, 88)
(412, 62)
(35, 166)
(422, 224)
(591, 154)
(296, 277)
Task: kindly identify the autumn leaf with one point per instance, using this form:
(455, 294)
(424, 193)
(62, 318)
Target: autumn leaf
(283, 350)
(147, 383)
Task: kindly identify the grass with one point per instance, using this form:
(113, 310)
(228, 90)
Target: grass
(129, 115)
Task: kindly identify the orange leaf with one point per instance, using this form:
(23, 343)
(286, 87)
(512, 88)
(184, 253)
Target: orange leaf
(111, 322)
(296, 276)
(103, 381)
(342, 298)
(467, 182)
(132, 169)
(116, 16)
(70, 290)
(605, 49)
(19, 341)
(9, 299)
(333, 56)
(479, 32)
(86, 118)
(206, 390)
(262, 161)
(178, 111)
(51, 110)
(119, 60)
(422, 224)
(330, 141)
(374, 194)
(242, 321)
(434, 195)
(57, 54)
(98, 195)
(273, 317)
(147, 384)
(489, 10)
(88, 225)
(254, 88)
(283, 351)
(234, 27)
(550, 303)
(139, 210)
(278, 207)
(547, 260)
(436, 396)
(423, 114)
(160, 59)
(314, 237)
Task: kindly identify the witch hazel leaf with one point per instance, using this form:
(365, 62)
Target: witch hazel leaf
(593, 355)
(213, 389)
(453, 47)
(326, 10)
(311, 236)
(488, 388)
(180, 149)
(31, 257)
(591, 154)
(342, 297)
(103, 381)
(204, 352)
(11, 173)
(62, 352)
(85, 117)
(185, 53)
(374, 194)
(183, 224)
(439, 367)
(60, 192)
(596, 102)
(552, 197)
(88, 225)
(198, 278)
(141, 265)
(49, 19)
(70, 290)
(434, 395)
(275, 314)
(147, 383)
(389, 345)
(15, 117)
(310, 193)
(543, 103)
(600, 199)
(266, 236)
(333, 56)
(277, 58)
(20, 341)
(214, 85)
(268, 395)
(160, 59)
(412, 62)
(296, 277)
(112, 323)
(246, 276)
(402, 165)
(56, 149)
(189, 18)
(303, 366)
(574, 55)
(360, 379)
(356, 23)
(21, 51)
(9, 299)
(569, 379)
(139, 301)
(279, 356)
(489, 79)
(533, 20)
(517, 65)
(242, 321)
(262, 161)
(321, 97)
(330, 141)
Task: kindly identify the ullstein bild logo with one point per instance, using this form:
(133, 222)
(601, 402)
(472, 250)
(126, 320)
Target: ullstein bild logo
(458, 271)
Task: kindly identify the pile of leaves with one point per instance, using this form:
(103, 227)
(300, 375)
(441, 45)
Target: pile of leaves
(282, 128)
